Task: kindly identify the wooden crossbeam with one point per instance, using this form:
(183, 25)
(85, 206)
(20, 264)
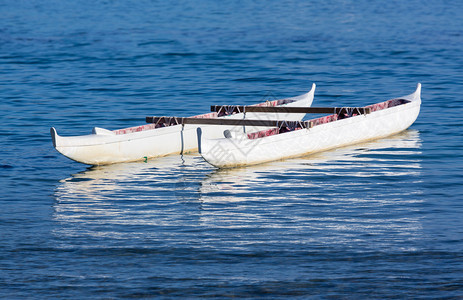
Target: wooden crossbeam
(168, 121)
(230, 109)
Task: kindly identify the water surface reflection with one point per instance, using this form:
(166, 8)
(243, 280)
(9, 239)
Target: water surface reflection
(365, 195)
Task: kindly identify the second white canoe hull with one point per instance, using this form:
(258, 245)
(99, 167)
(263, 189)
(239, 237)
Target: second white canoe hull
(234, 152)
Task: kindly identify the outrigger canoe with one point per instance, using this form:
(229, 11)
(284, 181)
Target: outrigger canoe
(345, 126)
(104, 146)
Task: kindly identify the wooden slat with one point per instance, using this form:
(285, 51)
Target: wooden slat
(230, 122)
(277, 109)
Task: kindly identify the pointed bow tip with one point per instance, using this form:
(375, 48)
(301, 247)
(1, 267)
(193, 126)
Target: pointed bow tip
(418, 91)
(311, 93)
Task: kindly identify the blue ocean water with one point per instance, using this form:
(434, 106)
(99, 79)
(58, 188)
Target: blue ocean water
(382, 219)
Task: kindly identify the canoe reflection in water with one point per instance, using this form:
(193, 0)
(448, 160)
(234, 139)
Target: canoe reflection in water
(365, 188)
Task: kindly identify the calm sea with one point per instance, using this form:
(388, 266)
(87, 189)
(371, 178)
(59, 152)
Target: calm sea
(377, 220)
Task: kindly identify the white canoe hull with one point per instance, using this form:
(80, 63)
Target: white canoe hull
(144, 142)
(242, 151)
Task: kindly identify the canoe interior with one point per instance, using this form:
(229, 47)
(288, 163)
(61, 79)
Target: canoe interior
(206, 115)
(271, 131)
(327, 119)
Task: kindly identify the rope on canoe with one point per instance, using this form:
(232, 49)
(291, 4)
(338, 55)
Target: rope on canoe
(168, 121)
(290, 125)
(229, 109)
(350, 111)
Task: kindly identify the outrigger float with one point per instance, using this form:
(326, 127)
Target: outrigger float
(159, 139)
(285, 139)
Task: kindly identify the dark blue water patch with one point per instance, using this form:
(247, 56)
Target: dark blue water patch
(149, 284)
